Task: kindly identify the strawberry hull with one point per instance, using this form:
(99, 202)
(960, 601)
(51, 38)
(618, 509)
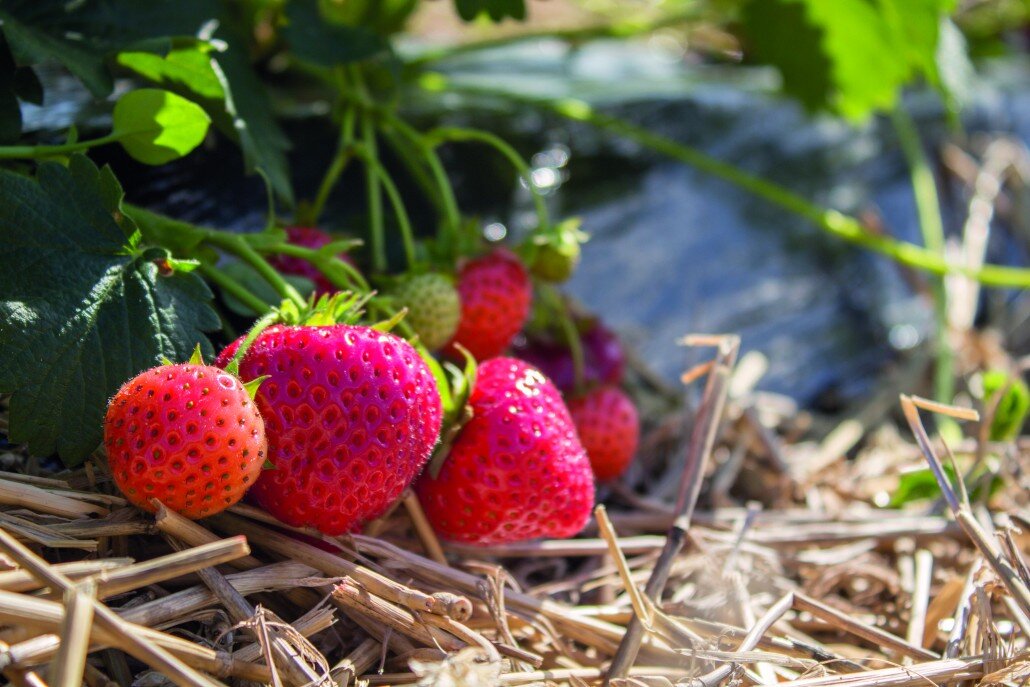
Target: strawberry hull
(352, 415)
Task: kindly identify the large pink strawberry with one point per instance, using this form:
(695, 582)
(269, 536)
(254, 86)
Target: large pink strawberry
(516, 470)
(351, 415)
(495, 294)
(308, 237)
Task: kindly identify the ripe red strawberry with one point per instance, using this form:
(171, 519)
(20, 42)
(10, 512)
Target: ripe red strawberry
(433, 307)
(495, 295)
(352, 416)
(516, 470)
(188, 435)
(607, 424)
(308, 237)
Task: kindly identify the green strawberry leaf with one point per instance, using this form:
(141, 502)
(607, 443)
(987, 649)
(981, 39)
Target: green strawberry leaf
(316, 39)
(156, 126)
(1012, 408)
(849, 56)
(920, 485)
(80, 310)
(185, 69)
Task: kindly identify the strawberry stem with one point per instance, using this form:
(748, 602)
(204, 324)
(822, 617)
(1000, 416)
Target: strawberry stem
(329, 265)
(458, 134)
(344, 151)
(572, 339)
(403, 221)
(239, 246)
(263, 323)
(375, 197)
(232, 287)
(451, 218)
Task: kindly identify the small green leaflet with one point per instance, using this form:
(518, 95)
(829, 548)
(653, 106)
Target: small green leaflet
(1011, 410)
(80, 311)
(849, 56)
(186, 69)
(156, 126)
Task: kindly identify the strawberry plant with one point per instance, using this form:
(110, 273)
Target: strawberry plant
(96, 289)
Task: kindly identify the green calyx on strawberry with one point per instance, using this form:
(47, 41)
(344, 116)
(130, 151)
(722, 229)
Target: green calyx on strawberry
(434, 307)
(516, 469)
(554, 254)
(189, 435)
(352, 415)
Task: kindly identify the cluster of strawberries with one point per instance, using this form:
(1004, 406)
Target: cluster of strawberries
(340, 419)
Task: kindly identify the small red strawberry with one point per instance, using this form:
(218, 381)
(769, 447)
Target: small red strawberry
(188, 435)
(607, 424)
(352, 416)
(495, 296)
(433, 307)
(516, 470)
(308, 237)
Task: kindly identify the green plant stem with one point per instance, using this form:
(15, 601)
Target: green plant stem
(377, 232)
(452, 218)
(344, 151)
(571, 334)
(831, 221)
(233, 288)
(403, 221)
(321, 262)
(414, 166)
(504, 148)
(19, 152)
(238, 245)
(263, 323)
(924, 189)
(619, 29)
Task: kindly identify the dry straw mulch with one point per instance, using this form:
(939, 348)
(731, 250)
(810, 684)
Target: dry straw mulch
(809, 584)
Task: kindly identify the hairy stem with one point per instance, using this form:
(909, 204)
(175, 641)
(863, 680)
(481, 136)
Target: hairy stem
(238, 245)
(337, 166)
(439, 175)
(19, 152)
(403, 222)
(327, 264)
(505, 149)
(233, 288)
(924, 189)
(830, 221)
(375, 197)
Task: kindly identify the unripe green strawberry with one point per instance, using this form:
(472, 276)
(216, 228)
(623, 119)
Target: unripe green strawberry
(553, 256)
(434, 308)
(555, 263)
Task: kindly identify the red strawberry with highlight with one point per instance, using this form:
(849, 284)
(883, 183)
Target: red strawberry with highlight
(495, 294)
(188, 435)
(308, 237)
(352, 415)
(609, 428)
(516, 469)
